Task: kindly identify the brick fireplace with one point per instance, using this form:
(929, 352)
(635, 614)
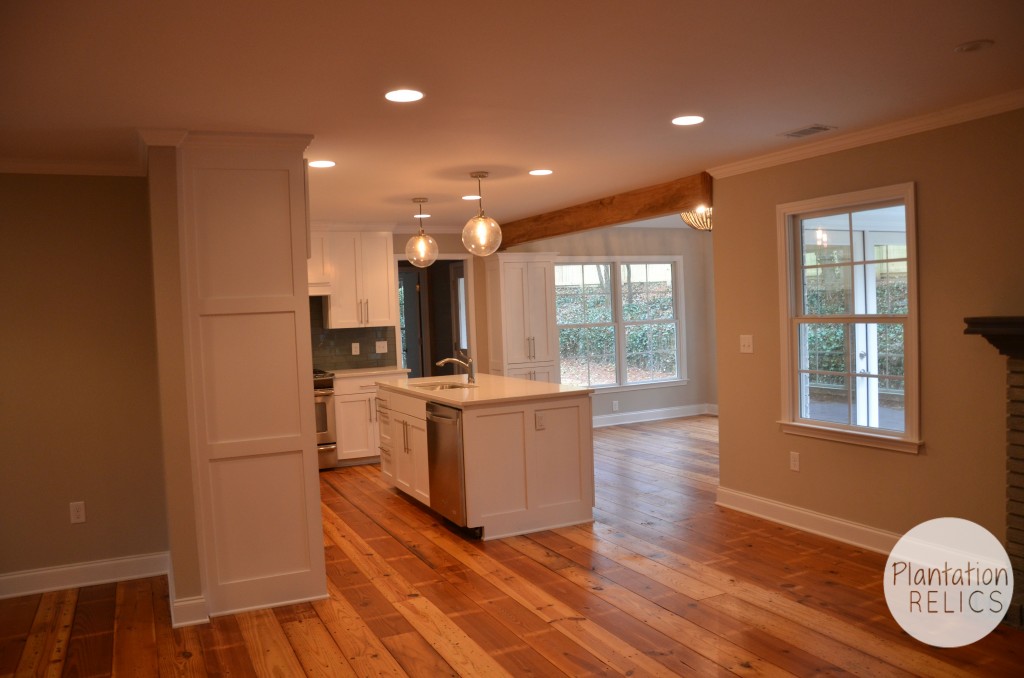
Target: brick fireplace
(1006, 333)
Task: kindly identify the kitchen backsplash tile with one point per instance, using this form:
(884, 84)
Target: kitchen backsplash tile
(332, 349)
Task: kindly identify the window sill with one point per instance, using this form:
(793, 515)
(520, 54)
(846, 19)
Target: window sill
(617, 388)
(852, 437)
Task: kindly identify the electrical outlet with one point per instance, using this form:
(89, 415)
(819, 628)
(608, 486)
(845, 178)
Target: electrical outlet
(746, 343)
(615, 406)
(355, 348)
(77, 511)
(539, 421)
(794, 461)
(382, 346)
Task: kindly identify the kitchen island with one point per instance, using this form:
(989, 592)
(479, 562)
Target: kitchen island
(527, 449)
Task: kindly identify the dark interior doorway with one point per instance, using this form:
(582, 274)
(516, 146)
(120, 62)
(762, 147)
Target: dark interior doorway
(432, 308)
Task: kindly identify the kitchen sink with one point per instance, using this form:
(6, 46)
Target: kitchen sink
(441, 386)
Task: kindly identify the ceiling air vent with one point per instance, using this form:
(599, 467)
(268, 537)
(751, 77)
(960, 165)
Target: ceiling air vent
(807, 131)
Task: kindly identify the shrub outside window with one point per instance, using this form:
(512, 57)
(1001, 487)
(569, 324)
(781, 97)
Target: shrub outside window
(848, 295)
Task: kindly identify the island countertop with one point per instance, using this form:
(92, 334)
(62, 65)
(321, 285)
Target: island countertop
(489, 389)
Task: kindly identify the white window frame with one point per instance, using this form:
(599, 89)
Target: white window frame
(789, 265)
(615, 264)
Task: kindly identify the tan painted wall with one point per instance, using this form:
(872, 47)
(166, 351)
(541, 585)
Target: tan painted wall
(79, 418)
(698, 283)
(970, 243)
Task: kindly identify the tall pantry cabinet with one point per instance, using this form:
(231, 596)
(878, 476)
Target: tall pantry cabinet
(522, 335)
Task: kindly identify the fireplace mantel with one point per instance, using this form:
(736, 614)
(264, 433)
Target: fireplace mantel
(1005, 332)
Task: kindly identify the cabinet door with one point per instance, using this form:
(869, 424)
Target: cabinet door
(517, 303)
(379, 290)
(404, 472)
(319, 272)
(354, 414)
(418, 450)
(345, 308)
(540, 324)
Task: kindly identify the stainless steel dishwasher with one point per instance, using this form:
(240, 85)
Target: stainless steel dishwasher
(444, 462)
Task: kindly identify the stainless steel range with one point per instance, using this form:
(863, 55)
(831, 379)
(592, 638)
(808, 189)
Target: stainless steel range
(326, 429)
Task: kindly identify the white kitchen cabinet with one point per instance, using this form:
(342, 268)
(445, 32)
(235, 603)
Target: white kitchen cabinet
(355, 417)
(523, 337)
(409, 446)
(319, 271)
(363, 287)
(387, 457)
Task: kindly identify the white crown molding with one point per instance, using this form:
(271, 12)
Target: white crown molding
(112, 169)
(846, 531)
(248, 139)
(1003, 103)
(162, 137)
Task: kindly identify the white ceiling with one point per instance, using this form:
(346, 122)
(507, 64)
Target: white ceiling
(586, 88)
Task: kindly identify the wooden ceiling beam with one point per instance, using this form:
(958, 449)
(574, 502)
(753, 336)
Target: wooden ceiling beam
(643, 203)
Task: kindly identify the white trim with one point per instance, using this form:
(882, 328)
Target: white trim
(846, 531)
(189, 612)
(638, 416)
(186, 611)
(850, 437)
(76, 575)
(788, 255)
(1001, 103)
(84, 169)
(261, 606)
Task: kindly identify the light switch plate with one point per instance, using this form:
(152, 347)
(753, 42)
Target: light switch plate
(746, 343)
(355, 348)
(382, 346)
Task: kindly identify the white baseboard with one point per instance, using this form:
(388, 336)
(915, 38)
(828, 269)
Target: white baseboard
(186, 611)
(654, 415)
(83, 574)
(839, 529)
(189, 611)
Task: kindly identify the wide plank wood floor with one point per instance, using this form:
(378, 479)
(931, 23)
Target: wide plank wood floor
(661, 583)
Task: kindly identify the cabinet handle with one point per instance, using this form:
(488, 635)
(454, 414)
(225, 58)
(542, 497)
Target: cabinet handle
(366, 311)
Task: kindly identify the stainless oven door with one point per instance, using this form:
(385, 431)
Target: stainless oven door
(323, 400)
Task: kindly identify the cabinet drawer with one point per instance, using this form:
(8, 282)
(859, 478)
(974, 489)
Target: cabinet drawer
(414, 407)
(354, 385)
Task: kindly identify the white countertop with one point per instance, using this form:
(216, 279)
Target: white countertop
(489, 390)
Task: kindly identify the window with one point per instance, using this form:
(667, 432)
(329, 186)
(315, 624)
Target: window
(618, 322)
(850, 325)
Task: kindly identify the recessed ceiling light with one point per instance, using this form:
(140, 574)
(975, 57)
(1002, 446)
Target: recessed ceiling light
(403, 95)
(541, 172)
(322, 163)
(688, 120)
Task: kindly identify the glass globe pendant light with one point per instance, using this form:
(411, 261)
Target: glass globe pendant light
(421, 249)
(481, 234)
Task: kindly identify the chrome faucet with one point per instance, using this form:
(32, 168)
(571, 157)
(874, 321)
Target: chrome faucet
(467, 363)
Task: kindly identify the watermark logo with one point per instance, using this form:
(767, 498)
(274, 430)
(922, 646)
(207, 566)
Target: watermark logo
(948, 582)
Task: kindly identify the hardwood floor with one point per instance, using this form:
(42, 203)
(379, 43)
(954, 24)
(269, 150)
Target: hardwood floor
(662, 583)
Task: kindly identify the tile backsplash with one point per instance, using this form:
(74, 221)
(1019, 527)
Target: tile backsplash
(332, 349)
